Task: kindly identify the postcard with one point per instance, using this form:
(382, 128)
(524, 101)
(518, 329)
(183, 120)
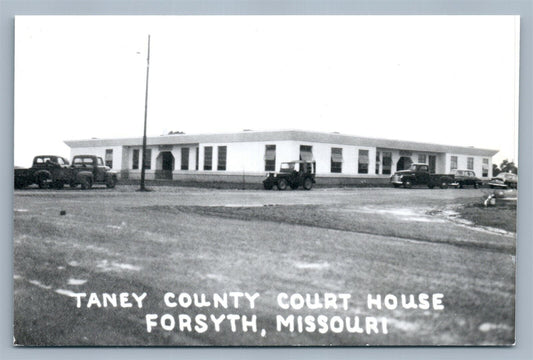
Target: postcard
(265, 180)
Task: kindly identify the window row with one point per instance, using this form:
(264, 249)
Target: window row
(470, 165)
(137, 153)
(306, 154)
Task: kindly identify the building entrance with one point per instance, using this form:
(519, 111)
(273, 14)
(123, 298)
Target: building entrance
(404, 163)
(165, 164)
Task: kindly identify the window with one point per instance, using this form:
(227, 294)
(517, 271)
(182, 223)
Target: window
(208, 158)
(363, 162)
(485, 169)
(270, 158)
(135, 159)
(387, 162)
(222, 151)
(148, 159)
(378, 161)
(470, 163)
(336, 160)
(306, 152)
(184, 158)
(109, 158)
(453, 163)
(421, 158)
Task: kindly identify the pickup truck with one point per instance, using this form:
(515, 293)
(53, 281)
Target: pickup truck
(55, 171)
(87, 170)
(46, 171)
(418, 174)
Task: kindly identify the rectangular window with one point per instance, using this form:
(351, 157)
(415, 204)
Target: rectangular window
(378, 162)
(336, 160)
(109, 158)
(135, 159)
(184, 158)
(270, 157)
(306, 152)
(222, 152)
(470, 163)
(387, 163)
(453, 163)
(485, 172)
(363, 162)
(208, 158)
(148, 159)
(421, 158)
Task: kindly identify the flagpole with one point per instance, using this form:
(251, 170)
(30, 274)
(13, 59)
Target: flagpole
(143, 188)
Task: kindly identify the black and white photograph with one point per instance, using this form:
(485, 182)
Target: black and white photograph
(247, 180)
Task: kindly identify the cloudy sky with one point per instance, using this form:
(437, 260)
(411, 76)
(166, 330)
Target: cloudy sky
(442, 79)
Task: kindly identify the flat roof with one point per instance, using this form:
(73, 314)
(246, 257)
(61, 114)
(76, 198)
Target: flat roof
(283, 135)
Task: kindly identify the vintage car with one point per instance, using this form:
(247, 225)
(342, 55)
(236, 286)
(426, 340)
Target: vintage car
(419, 174)
(88, 170)
(46, 171)
(504, 180)
(466, 177)
(294, 174)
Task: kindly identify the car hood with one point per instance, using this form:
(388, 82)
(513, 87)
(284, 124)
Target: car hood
(401, 172)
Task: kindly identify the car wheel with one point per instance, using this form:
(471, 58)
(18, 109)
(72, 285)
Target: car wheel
(111, 182)
(308, 184)
(282, 184)
(43, 182)
(86, 183)
(407, 184)
(444, 185)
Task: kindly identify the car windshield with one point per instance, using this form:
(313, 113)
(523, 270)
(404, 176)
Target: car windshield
(285, 167)
(415, 167)
(505, 176)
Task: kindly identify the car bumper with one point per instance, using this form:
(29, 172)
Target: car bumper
(498, 184)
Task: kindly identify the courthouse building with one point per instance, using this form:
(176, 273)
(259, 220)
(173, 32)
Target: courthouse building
(249, 155)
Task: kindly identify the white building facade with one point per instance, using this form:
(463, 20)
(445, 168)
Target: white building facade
(249, 155)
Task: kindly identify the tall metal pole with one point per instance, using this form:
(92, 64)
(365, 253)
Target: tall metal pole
(143, 188)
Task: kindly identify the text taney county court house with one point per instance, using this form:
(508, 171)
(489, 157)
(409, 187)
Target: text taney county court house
(249, 155)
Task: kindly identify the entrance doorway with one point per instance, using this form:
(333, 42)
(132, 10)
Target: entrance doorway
(404, 163)
(166, 159)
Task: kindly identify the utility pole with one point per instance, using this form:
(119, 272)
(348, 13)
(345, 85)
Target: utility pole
(143, 188)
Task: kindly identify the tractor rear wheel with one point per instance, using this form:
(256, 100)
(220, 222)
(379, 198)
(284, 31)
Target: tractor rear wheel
(308, 183)
(282, 184)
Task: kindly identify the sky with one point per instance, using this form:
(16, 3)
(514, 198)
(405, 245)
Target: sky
(439, 79)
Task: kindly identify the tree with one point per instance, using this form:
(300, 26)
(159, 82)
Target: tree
(508, 166)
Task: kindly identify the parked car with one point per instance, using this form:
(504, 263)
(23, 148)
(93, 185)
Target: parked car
(505, 181)
(294, 174)
(418, 174)
(466, 177)
(46, 171)
(88, 170)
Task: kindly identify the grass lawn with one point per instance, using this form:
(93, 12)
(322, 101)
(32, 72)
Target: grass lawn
(352, 242)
